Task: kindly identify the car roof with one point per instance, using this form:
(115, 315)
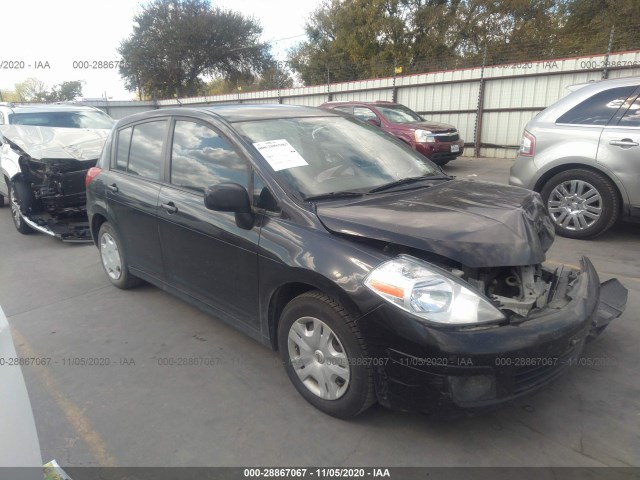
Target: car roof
(357, 102)
(606, 83)
(236, 112)
(44, 108)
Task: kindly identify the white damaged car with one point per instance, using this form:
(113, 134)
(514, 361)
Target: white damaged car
(45, 153)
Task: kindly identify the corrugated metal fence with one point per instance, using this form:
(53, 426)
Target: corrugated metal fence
(489, 105)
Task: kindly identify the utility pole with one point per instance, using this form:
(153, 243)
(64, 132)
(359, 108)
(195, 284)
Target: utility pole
(605, 72)
(477, 134)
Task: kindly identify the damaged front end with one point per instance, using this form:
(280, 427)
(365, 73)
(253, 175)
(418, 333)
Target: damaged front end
(473, 317)
(528, 291)
(46, 169)
(549, 314)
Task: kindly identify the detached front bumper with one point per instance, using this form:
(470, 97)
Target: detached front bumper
(68, 230)
(425, 368)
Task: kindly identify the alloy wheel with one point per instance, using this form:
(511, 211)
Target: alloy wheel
(575, 205)
(15, 209)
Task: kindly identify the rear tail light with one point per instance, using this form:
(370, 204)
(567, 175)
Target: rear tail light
(91, 174)
(528, 144)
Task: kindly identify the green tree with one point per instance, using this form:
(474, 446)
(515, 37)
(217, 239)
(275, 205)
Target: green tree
(355, 39)
(176, 43)
(589, 24)
(65, 91)
(31, 90)
(272, 78)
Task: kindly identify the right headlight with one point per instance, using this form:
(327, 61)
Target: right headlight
(430, 293)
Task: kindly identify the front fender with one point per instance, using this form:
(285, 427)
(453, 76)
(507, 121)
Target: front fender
(9, 161)
(293, 255)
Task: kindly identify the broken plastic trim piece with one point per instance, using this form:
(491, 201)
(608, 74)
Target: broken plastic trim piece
(611, 304)
(47, 231)
(37, 227)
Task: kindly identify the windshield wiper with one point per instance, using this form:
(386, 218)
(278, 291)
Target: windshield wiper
(330, 195)
(407, 181)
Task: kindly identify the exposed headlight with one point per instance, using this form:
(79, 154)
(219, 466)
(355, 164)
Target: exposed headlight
(430, 293)
(424, 136)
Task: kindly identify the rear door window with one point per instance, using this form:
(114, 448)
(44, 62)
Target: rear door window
(364, 113)
(344, 109)
(145, 152)
(598, 109)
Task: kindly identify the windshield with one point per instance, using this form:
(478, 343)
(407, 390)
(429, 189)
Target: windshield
(320, 155)
(399, 114)
(80, 119)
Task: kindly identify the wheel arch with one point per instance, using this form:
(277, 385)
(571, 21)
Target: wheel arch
(97, 219)
(619, 188)
(286, 292)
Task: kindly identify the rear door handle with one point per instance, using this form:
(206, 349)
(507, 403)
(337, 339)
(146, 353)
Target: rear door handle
(169, 207)
(112, 188)
(625, 142)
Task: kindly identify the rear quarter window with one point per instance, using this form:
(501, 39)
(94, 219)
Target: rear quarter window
(598, 109)
(631, 118)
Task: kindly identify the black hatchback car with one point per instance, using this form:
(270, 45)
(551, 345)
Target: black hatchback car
(376, 276)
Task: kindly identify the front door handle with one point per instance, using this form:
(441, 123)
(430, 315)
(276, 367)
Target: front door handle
(112, 188)
(169, 207)
(624, 143)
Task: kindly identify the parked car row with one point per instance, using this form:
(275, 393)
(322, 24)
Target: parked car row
(378, 277)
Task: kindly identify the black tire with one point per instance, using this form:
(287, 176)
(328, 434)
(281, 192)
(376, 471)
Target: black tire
(568, 225)
(2, 200)
(358, 393)
(114, 260)
(18, 191)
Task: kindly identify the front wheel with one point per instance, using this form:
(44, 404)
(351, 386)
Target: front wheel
(15, 190)
(114, 260)
(325, 355)
(581, 203)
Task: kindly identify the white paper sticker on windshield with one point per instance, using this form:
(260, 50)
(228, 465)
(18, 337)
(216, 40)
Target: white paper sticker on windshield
(280, 154)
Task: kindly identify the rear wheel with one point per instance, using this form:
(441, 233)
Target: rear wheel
(581, 203)
(16, 192)
(114, 260)
(325, 355)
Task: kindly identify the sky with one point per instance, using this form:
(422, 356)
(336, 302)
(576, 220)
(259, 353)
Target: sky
(43, 38)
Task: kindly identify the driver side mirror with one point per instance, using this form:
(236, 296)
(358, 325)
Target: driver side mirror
(375, 121)
(230, 197)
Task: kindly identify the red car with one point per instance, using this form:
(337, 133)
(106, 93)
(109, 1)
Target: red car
(439, 142)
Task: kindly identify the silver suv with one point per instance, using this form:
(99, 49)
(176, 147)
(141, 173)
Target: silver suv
(582, 154)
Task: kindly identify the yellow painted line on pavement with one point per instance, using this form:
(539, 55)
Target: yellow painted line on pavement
(72, 412)
(577, 267)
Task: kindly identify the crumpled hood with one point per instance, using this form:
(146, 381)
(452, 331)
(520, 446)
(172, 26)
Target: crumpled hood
(50, 142)
(477, 224)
